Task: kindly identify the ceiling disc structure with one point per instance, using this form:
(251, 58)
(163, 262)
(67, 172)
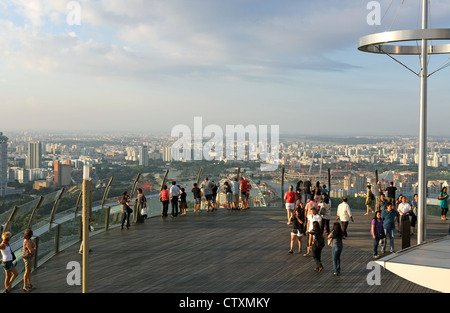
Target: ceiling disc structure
(382, 42)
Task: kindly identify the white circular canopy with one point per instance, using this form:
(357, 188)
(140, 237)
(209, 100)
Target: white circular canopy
(380, 42)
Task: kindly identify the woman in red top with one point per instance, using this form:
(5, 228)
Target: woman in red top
(164, 198)
(289, 197)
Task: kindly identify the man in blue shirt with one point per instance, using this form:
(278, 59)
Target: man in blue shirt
(389, 217)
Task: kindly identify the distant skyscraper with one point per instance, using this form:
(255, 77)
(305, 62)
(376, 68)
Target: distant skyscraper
(143, 156)
(62, 173)
(3, 164)
(167, 156)
(435, 160)
(57, 173)
(34, 157)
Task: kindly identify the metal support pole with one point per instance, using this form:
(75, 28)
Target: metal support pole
(422, 200)
(329, 182)
(87, 202)
(282, 187)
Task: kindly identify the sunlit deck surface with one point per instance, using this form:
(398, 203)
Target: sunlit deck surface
(222, 252)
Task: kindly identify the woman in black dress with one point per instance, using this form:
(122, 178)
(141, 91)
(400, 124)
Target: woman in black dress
(317, 242)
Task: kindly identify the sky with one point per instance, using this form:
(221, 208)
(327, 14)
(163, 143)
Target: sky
(149, 65)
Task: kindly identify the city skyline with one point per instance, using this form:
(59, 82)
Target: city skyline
(144, 66)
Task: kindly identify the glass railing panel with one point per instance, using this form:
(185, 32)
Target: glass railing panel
(69, 233)
(46, 247)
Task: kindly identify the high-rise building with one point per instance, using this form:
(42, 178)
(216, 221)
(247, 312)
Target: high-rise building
(143, 156)
(3, 164)
(167, 154)
(435, 162)
(56, 173)
(444, 160)
(34, 157)
(65, 174)
(62, 173)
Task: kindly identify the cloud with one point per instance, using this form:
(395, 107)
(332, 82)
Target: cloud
(146, 39)
(245, 56)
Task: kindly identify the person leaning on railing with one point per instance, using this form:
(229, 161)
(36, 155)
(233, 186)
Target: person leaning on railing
(27, 256)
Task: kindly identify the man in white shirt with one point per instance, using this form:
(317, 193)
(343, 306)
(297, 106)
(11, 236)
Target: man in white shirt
(235, 190)
(312, 217)
(174, 193)
(344, 214)
(404, 209)
(207, 186)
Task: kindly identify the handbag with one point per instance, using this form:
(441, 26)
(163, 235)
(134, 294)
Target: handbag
(330, 241)
(381, 235)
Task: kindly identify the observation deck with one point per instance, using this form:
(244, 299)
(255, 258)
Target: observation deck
(225, 251)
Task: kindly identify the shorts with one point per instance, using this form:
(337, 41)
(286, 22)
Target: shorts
(197, 200)
(8, 265)
(290, 206)
(208, 197)
(213, 198)
(296, 232)
(229, 196)
(235, 197)
(243, 195)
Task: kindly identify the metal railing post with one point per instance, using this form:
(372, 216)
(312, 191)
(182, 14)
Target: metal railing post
(36, 252)
(57, 237)
(107, 213)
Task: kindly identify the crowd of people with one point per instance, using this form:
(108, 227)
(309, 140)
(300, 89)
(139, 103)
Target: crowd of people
(236, 192)
(308, 210)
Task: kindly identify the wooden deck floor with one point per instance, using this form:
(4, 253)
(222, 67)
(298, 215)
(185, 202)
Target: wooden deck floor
(221, 252)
